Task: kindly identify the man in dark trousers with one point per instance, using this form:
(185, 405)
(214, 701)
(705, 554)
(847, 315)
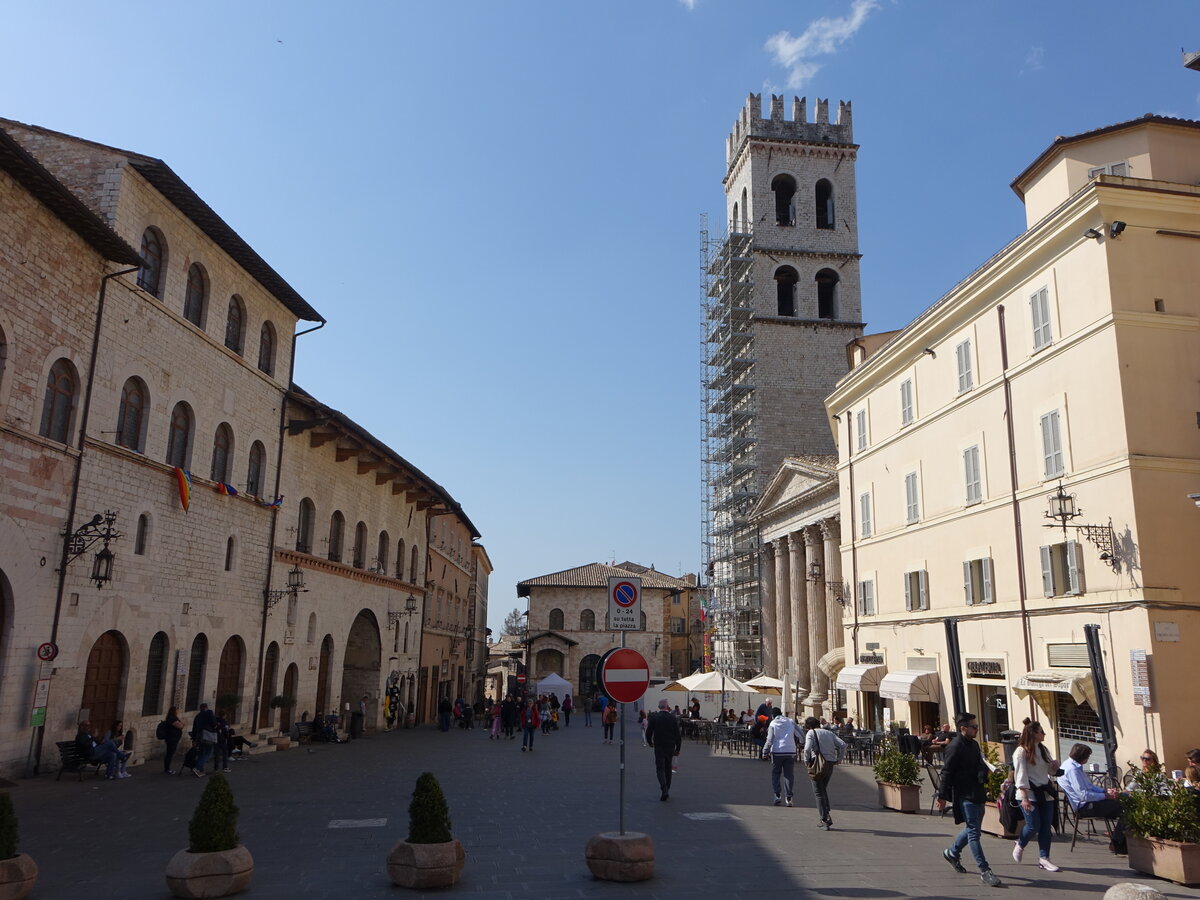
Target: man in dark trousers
(662, 733)
(963, 783)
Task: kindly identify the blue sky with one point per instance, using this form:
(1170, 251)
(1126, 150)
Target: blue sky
(497, 205)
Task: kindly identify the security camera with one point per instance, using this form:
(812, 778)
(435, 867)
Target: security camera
(1116, 228)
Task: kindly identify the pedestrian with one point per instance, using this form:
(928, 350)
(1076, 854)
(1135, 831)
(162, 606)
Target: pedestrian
(781, 746)
(758, 733)
(468, 716)
(494, 734)
(531, 717)
(822, 751)
(642, 720)
(588, 706)
(221, 748)
(99, 751)
(663, 734)
(170, 730)
(123, 740)
(444, 710)
(610, 721)
(764, 709)
(1032, 767)
(509, 716)
(963, 784)
(546, 715)
(555, 706)
(204, 733)
(568, 706)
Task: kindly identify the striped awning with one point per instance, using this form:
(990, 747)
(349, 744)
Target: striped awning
(860, 678)
(1076, 682)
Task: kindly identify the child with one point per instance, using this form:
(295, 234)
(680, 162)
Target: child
(642, 721)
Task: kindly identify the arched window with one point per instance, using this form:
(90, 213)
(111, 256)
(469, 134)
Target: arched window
(556, 620)
(179, 440)
(154, 254)
(254, 473)
(235, 325)
(58, 408)
(587, 620)
(734, 219)
(827, 281)
(141, 535)
(196, 666)
(156, 670)
(360, 546)
(304, 526)
(642, 622)
(337, 530)
(312, 628)
(131, 415)
(400, 559)
(784, 187)
(785, 290)
(383, 547)
(412, 571)
(824, 197)
(745, 212)
(195, 297)
(230, 552)
(222, 452)
(266, 348)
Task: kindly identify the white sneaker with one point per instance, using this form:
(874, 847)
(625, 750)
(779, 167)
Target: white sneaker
(1018, 851)
(1044, 863)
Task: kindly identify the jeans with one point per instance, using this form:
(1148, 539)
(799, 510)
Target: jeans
(444, 721)
(107, 753)
(206, 750)
(821, 792)
(608, 730)
(567, 717)
(220, 756)
(172, 743)
(1039, 821)
(662, 767)
(527, 737)
(587, 716)
(973, 816)
(785, 764)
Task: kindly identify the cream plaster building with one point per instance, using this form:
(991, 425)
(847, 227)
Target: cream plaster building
(1071, 356)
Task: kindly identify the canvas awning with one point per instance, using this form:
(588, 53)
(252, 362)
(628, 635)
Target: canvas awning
(1075, 682)
(860, 678)
(833, 661)
(911, 685)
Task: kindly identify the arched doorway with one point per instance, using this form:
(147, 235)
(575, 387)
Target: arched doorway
(587, 674)
(363, 662)
(197, 664)
(102, 684)
(548, 662)
(270, 674)
(322, 706)
(229, 677)
(288, 713)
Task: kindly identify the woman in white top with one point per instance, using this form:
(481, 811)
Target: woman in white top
(819, 741)
(1032, 777)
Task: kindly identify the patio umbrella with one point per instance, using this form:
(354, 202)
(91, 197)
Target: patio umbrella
(686, 683)
(765, 684)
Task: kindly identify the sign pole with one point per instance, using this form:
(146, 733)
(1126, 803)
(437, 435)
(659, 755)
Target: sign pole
(621, 800)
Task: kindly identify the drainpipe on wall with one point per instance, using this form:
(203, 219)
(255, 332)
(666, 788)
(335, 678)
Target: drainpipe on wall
(853, 540)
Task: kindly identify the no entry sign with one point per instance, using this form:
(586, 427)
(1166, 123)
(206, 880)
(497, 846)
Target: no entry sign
(624, 674)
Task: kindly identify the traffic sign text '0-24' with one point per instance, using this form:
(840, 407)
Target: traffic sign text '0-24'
(624, 603)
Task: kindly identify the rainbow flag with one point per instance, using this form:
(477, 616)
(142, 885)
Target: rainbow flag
(275, 504)
(184, 481)
(227, 489)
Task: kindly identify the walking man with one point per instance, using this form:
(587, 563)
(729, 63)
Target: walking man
(781, 746)
(964, 776)
(662, 733)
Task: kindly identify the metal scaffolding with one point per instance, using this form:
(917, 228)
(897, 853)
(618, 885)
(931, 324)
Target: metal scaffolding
(730, 460)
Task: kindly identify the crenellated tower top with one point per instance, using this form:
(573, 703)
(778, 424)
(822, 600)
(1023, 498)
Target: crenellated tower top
(752, 124)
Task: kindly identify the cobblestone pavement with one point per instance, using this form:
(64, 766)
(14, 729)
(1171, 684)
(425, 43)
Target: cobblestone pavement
(524, 819)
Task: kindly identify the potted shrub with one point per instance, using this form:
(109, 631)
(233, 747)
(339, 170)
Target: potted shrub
(229, 702)
(431, 857)
(214, 864)
(18, 872)
(997, 779)
(898, 775)
(1162, 828)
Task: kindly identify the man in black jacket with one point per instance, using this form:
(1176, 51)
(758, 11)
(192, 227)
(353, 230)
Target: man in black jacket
(964, 776)
(662, 733)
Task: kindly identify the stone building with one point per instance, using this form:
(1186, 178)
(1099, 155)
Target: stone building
(782, 301)
(568, 614)
(1019, 459)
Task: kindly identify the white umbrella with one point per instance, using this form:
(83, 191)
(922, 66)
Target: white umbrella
(765, 684)
(714, 683)
(687, 683)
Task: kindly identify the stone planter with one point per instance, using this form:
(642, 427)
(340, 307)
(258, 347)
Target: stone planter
(905, 798)
(423, 866)
(18, 875)
(216, 874)
(612, 856)
(991, 822)
(1167, 859)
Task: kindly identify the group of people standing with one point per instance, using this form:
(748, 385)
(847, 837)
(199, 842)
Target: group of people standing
(211, 736)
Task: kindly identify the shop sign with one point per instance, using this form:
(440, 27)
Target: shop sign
(985, 668)
(1166, 631)
(870, 659)
(1140, 666)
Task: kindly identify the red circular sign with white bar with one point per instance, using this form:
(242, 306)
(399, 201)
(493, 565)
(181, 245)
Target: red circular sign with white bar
(624, 674)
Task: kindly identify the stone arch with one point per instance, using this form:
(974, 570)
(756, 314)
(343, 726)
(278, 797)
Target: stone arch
(231, 672)
(270, 675)
(104, 681)
(548, 662)
(587, 675)
(827, 294)
(785, 291)
(362, 663)
(324, 664)
(784, 189)
(287, 715)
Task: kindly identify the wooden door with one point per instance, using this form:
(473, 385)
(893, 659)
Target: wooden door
(102, 685)
(229, 677)
(323, 676)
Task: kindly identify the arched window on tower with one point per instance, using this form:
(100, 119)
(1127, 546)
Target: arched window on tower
(735, 219)
(195, 297)
(827, 281)
(785, 290)
(58, 406)
(824, 197)
(745, 212)
(304, 526)
(154, 252)
(784, 187)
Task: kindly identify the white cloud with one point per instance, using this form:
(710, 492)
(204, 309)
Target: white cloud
(690, 4)
(1033, 59)
(822, 37)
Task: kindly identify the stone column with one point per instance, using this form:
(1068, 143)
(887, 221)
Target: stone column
(766, 627)
(799, 608)
(833, 567)
(783, 606)
(818, 637)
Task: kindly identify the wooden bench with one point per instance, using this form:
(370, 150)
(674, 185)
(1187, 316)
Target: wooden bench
(304, 732)
(72, 760)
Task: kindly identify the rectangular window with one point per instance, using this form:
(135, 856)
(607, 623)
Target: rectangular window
(864, 515)
(965, 379)
(678, 626)
(1116, 168)
(866, 598)
(1039, 309)
(977, 581)
(1052, 455)
(912, 506)
(971, 470)
(916, 590)
(906, 402)
(860, 423)
(1062, 569)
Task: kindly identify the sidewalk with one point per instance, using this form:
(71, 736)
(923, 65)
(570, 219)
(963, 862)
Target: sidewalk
(523, 819)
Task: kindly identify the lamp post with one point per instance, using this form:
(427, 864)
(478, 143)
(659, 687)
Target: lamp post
(295, 585)
(100, 528)
(838, 590)
(1063, 509)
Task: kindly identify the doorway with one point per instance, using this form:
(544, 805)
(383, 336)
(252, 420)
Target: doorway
(102, 684)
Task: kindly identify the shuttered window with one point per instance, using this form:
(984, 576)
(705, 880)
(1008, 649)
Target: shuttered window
(971, 471)
(866, 598)
(966, 379)
(916, 590)
(906, 402)
(1039, 310)
(864, 512)
(860, 423)
(1052, 455)
(1062, 569)
(912, 504)
(977, 581)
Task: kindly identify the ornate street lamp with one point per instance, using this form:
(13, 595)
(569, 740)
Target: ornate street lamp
(100, 528)
(295, 585)
(1063, 509)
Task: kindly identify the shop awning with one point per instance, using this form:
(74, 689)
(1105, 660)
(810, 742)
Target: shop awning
(860, 678)
(833, 661)
(1076, 682)
(911, 685)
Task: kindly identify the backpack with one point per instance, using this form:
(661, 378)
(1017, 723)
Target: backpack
(161, 731)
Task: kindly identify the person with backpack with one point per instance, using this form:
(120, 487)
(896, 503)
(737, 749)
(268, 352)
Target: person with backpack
(531, 718)
(964, 784)
(170, 730)
(780, 746)
(204, 734)
(609, 720)
(568, 706)
(221, 748)
(822, 751)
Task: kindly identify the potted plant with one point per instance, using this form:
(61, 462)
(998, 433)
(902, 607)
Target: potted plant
(18, 872)
(431, 857)
(214, 864)
(998, 777)
(1162, 828)
(898, 775)
(229, 702)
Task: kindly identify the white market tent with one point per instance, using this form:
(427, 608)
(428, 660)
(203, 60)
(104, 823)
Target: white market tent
(554, 684)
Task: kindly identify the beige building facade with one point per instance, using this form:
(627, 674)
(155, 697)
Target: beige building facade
(1070, 357)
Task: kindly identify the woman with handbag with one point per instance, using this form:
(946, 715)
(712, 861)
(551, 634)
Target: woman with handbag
(822, 751)
(1038, 795)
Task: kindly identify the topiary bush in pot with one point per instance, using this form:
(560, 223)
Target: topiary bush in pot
(215, 864)
(431, 857)
(8, 828)
(428, 815)
(214, 823)
(18, 872)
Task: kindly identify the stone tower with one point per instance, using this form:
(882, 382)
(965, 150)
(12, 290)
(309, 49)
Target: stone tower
(782, 302)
